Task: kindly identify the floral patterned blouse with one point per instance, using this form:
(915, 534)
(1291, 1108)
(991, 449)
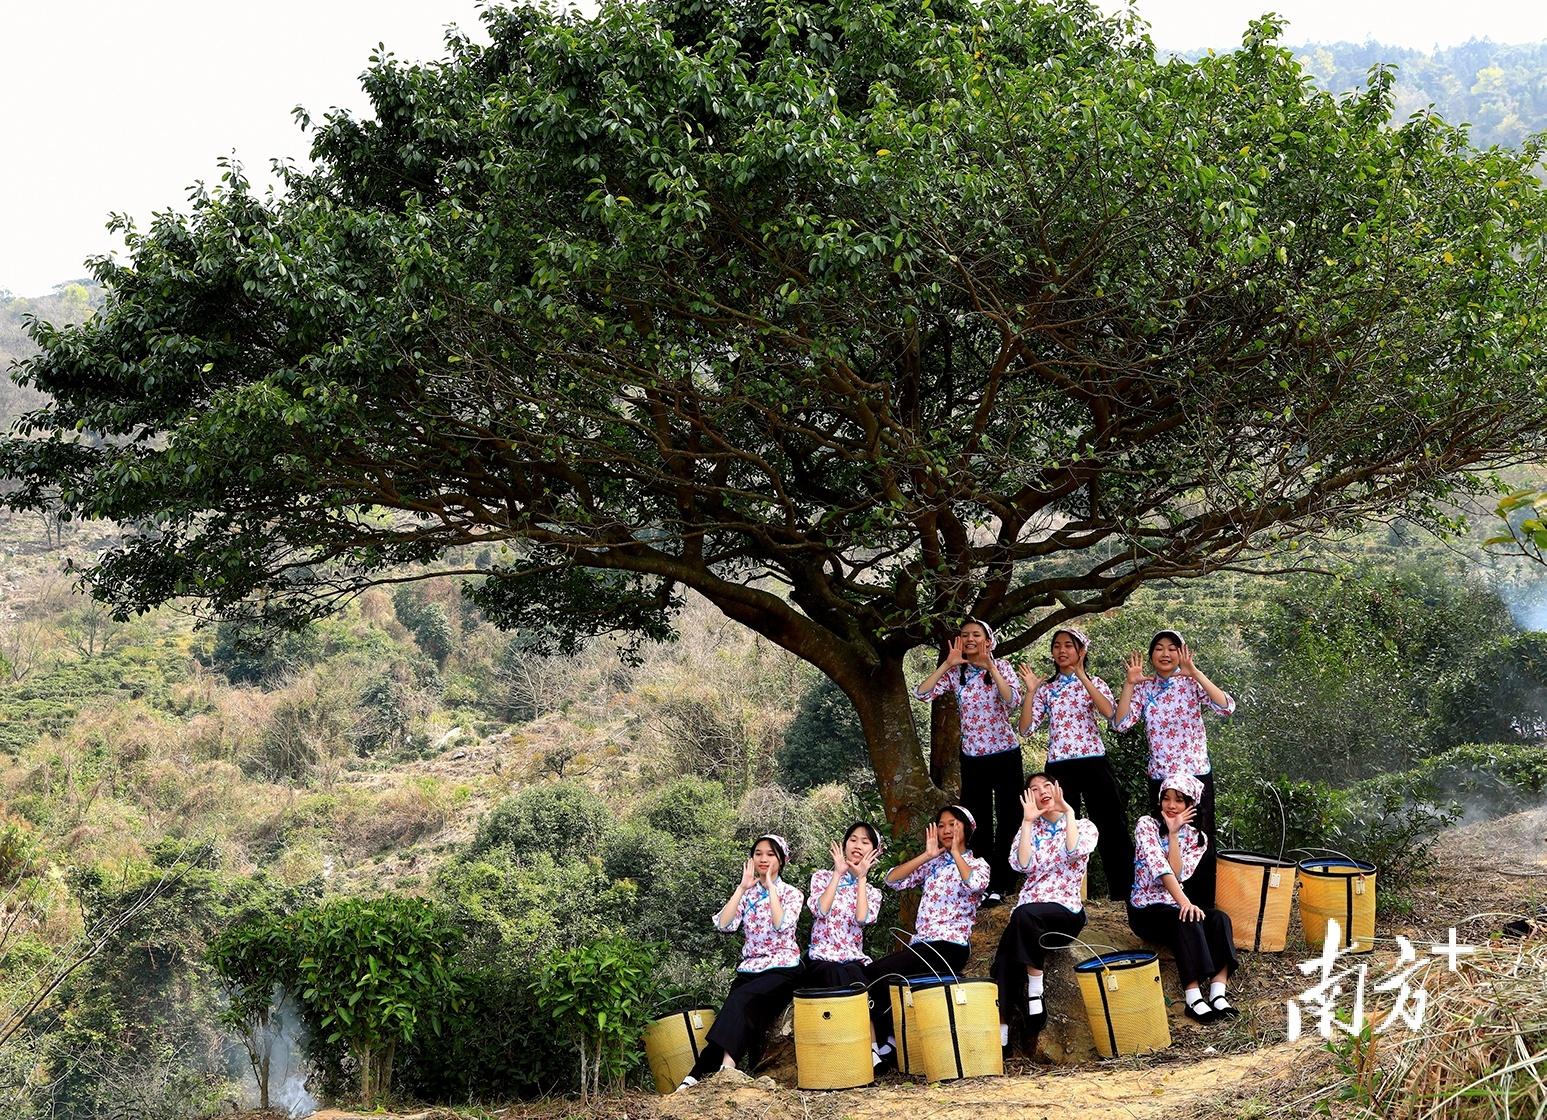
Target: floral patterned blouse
(950, 904)
(985, 718)
(1054, 872)
(1172, 710)
(840, 935)
(767, 945)
(1073, 723)
(1151, 846)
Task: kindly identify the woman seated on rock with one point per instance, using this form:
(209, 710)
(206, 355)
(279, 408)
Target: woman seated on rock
(844, 903)
(1167, 849)
(1052, 849)
(954, 881)
(766, 909)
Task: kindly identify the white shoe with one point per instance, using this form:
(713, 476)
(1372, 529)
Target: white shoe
(687, 1083)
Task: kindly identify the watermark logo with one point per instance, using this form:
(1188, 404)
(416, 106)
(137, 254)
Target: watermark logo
(1321, 1003)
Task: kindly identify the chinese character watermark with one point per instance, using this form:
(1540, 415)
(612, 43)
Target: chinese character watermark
(1320, 1003)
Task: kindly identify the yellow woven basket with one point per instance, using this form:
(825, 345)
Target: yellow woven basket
(1258, 892)
(905, 1026)
(672, 1045)
(1338, 889)
(956, 1026)
(1124, 1003)
(832, 1038)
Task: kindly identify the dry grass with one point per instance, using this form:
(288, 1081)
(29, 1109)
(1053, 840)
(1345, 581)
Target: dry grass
(1480, 1054)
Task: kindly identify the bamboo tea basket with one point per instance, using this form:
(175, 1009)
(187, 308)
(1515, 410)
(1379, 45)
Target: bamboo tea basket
(1124, 1003)
(832, 1038)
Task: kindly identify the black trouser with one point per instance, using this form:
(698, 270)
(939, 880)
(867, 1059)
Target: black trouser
(1092, 791)
(1034, 929)
(833, 974)
(1201, 948)
(922, 959)
(990, 782)
(1200, 888)
(754, 1002)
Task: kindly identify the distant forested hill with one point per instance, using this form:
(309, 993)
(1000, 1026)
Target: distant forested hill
(1499, 89)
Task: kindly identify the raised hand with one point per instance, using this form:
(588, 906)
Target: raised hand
(931, 842)
(767, 878)
(1174, 824)
(1079, 660)
(1184, 663)
(954, 656)
(1028, 806)
(1134, 664)
(840, 861)
(748, 876)
(1059, 805)
(959, 844)
(1029, 677)
(867, 862)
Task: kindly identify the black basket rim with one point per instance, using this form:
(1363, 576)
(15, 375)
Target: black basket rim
(829, 993)
(1336, 867)
(1253, 858)
(1115, 962)
(917, 982)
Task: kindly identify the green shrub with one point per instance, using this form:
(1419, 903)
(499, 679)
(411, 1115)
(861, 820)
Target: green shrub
(600, 997)
(247, 654)
(427, 621)
(690, 808)
(496, 1044)
(514, 908)
(1499, 696)
(564, 819)
(824, 743)
(372, 975)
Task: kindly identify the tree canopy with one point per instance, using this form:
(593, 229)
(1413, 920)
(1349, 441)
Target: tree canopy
(852, 317)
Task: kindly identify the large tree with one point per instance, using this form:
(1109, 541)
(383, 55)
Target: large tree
(853, 317)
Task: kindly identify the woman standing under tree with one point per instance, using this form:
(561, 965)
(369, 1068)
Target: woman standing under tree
(986, 695)
(1172, 704)
(1074, 704)
(766, 909)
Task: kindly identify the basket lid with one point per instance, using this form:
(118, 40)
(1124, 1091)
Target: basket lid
(1133, 958)
(917, 983)
(830, 993)
(1337, 866)
(1254, 859)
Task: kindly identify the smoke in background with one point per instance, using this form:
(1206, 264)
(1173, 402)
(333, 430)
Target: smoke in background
(287, 1065)
(1527, 602)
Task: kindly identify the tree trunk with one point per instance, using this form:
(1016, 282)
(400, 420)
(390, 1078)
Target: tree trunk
(885, 708)
(945, 743)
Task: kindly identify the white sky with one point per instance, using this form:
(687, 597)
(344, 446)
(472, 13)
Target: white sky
(120, 105)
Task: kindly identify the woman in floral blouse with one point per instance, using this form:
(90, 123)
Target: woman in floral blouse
(844, 903)
(986, 695)
(1074, 705)
(1167, 851)
(765, 908)
(953, 880)
(1052, 848)
(1171, 704)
